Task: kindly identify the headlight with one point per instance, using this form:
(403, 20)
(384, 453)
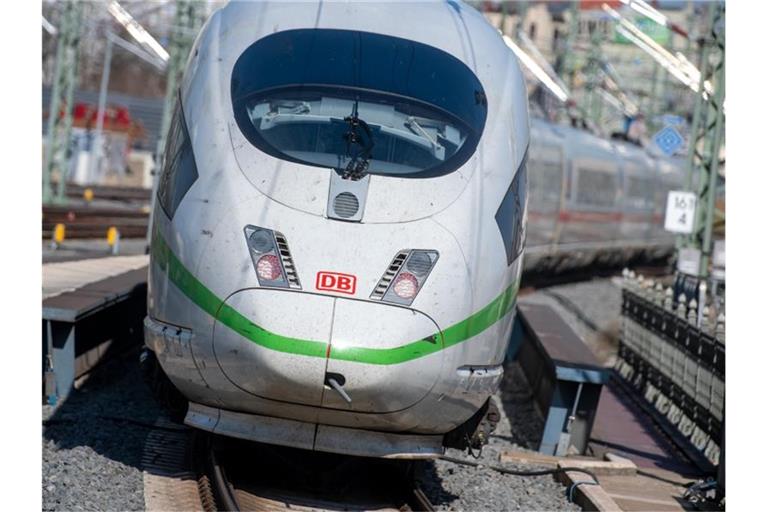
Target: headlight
(271, 258)
(405, 276)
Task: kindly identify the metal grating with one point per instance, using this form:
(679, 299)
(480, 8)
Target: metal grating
(285, 256)
(345, 205)
(389, 275)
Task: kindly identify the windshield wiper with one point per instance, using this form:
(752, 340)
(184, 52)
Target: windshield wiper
(357, 167)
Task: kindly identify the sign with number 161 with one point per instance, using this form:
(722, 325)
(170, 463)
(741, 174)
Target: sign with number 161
(681, 210)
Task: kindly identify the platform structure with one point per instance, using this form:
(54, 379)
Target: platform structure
(565, 377)
(89, 308)
(592, 420)
(624, 429)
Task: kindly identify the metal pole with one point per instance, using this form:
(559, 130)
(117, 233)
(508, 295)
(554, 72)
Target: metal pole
(503, 18)
(693, 138)
(696, 123)
(649, 104)
(593, 79)
(714, 167)
(569, 63)
(62, 93)
(53, 114)
(73, 37)
(522, 11)
(96, 147)
(707, 136)
(660, 103)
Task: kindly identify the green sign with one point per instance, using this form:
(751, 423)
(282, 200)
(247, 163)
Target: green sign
(658, 33)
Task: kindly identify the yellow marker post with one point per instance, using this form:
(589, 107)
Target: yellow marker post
(113, 239)
(88, 195)
(59, 232)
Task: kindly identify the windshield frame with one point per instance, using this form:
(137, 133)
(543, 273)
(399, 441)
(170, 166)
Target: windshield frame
(416, 107)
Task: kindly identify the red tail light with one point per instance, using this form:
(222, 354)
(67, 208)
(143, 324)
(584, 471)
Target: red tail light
(405, 276)
(406, 285)
(271, 258)
(268, 267)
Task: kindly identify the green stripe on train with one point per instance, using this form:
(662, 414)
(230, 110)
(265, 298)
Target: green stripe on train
(227, 315)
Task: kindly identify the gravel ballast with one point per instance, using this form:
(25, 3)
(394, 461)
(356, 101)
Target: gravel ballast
(457, 487)
(91, 454)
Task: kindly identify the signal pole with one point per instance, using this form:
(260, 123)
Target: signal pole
(522, 11)
(62, 93)
(707, 136)
(568, 59)
(594, 76)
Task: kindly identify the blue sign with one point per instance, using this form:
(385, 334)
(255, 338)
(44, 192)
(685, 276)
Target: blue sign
(668, 140)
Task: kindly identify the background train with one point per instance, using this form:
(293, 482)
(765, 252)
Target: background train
(594, 200)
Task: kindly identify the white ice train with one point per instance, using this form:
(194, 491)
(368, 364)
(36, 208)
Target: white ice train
(339, 225)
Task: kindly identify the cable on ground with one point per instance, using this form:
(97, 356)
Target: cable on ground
(538, 472)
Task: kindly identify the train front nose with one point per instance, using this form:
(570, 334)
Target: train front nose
(389, 357)
(327, 351)
(274, 344)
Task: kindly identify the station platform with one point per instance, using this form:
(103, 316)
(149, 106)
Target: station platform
(62, 277)
(622, 428)
(80, 249)
(90, 309)
(586, 409)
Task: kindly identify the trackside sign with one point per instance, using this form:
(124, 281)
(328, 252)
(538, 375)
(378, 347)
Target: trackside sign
(681, 209)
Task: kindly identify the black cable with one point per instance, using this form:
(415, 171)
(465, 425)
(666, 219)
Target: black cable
(515, 472)
(541, 472)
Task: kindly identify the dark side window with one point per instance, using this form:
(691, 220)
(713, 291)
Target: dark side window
(510, 217)
(596, 187)
(346, 99)
(179, 169)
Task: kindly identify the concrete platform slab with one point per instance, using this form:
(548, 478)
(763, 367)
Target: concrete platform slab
(69, 276)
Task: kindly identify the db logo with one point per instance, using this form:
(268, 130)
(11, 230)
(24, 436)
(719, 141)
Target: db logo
(335, 282)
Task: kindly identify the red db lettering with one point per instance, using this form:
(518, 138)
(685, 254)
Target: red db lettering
(336, 282)
(343, 283)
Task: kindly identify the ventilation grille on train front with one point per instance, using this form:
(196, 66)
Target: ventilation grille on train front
(389, 274)
(285, 256)
(345, 205)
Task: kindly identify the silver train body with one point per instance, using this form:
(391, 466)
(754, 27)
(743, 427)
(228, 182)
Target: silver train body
(594, 200)
(337, 240)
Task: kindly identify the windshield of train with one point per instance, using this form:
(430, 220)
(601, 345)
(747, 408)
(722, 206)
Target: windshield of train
(358, 102)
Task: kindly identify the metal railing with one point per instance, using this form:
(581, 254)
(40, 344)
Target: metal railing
(674, 357)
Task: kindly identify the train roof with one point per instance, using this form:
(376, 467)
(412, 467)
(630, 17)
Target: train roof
(586, 142)
(451, 26)
(450, 22)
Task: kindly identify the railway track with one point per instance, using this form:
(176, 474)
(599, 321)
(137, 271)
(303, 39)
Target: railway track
(239, 479)
(214, 473)
(109, 192)
(82, 221)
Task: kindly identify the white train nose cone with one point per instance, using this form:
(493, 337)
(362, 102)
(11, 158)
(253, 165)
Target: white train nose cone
(274, 344)
(313, 350)
(389, 362)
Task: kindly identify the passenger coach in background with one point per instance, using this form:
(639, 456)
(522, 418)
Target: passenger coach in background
(595, 201)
